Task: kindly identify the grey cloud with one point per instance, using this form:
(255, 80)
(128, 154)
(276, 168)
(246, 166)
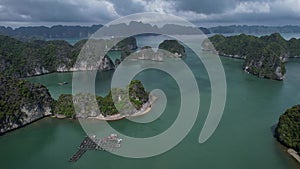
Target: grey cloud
(49, 11)
(103, 11)
(206, 6)
(126, 7)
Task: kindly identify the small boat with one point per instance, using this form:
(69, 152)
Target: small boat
(62, 83)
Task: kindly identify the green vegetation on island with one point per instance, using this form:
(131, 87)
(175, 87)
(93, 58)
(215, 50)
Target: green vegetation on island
(61, 32)
(23, 59)
(22, 102)
(128, 43)
(174, 47)
(167, 49)
(43, 32)
(64, 106)
(137, 95)
(264, 56)
(288, 128)
(254, 29)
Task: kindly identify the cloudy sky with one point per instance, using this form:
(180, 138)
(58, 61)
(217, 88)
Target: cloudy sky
(200, 12)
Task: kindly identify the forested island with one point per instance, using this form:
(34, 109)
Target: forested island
(43, 32)
(254, 29)
(24, 59)
(137, 96)
(264, 56)
(174, 47)
(166, 49)
(288, 129)
(22, 102)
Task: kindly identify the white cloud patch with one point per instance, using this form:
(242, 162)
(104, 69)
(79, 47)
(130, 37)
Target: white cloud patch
(161, 6)
(252, 7)
(168, 7)
(99, 7)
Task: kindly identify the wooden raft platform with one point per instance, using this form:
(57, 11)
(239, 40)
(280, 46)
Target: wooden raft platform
(92, 143)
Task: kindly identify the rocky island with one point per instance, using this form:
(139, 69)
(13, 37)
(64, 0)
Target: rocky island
(264, 56)
(22, 103)
(288, 131)
(166, 49)
(24, 59)
(139, 98)
(174, 47)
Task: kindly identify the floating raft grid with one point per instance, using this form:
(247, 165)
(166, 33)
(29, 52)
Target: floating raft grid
(92, 143)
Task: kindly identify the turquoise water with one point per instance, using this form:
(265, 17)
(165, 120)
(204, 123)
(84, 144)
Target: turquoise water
(71, 41)
(243, 138)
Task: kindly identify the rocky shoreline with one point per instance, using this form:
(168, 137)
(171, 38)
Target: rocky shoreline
(287, 131)
(294, 154)
(146, 108)
(24, 125)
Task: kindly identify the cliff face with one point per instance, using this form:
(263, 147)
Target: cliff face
(104, 64)
(267, 62)
(264, 56)
(23, 59)
(147, 53)
(22, 103)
